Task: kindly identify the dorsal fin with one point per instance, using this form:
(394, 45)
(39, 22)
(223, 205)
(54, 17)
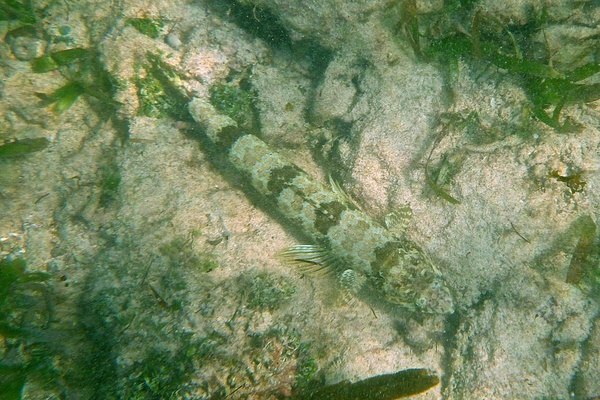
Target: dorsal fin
(341, 194)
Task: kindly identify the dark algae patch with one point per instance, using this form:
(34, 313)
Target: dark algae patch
(580, 265)
(574, 181)
(400, 384)
(255, 20)
(22, 147)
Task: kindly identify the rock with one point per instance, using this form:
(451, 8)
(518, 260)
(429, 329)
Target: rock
(27, 48)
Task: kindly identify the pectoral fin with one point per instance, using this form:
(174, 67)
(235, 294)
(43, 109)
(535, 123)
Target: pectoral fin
(312, 257)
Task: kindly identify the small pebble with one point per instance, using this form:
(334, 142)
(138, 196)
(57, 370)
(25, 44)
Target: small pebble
(173, 40)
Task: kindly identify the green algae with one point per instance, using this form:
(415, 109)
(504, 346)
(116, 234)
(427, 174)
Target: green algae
(439, 177)
(234, 102)
(87, 78)
(64, 97)
(24, 315)
(154, 101)
(22, 147)
(157, 92)
(43, 64)
(160, 374)
(15, 10)
(258, 21)
(267, 292)
(307, 368)
(52, 61)
(147, 26)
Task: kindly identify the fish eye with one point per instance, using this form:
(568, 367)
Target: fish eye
(421, 302)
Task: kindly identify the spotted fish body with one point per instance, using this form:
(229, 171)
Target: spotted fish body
(356, 247)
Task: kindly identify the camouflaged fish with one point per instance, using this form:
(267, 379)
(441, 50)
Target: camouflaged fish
(346, 240)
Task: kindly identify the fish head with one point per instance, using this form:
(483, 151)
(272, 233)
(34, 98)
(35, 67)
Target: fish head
(410, 279)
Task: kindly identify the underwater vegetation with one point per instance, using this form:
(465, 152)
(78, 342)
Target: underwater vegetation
(161, 374)
(52, 61)
(162, 352)
(179, 254)
(154, 100)
(461, 30)
(254, 19)
(84, 77)
(400, 384)
(267, 292)
(17, 148)
(79, 66)
(156, 92)
(110, 181)
(236, 103)
(149, 27)
(439, 177)
(15, 10)
(25, 312)
(574, 181)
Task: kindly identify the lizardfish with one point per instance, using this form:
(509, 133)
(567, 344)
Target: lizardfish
(345, 240)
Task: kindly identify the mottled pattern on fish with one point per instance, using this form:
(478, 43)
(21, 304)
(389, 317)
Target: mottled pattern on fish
(345, 239)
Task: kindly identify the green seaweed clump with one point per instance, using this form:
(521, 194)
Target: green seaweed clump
(234, 102)
(154, 100)
(149, 27)
(157, 92)
(259, 21)
(52, 61)
(64, 97)
(439, 177)
(266, 292)
(24, 315)
(84, 76)
(306, 369)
